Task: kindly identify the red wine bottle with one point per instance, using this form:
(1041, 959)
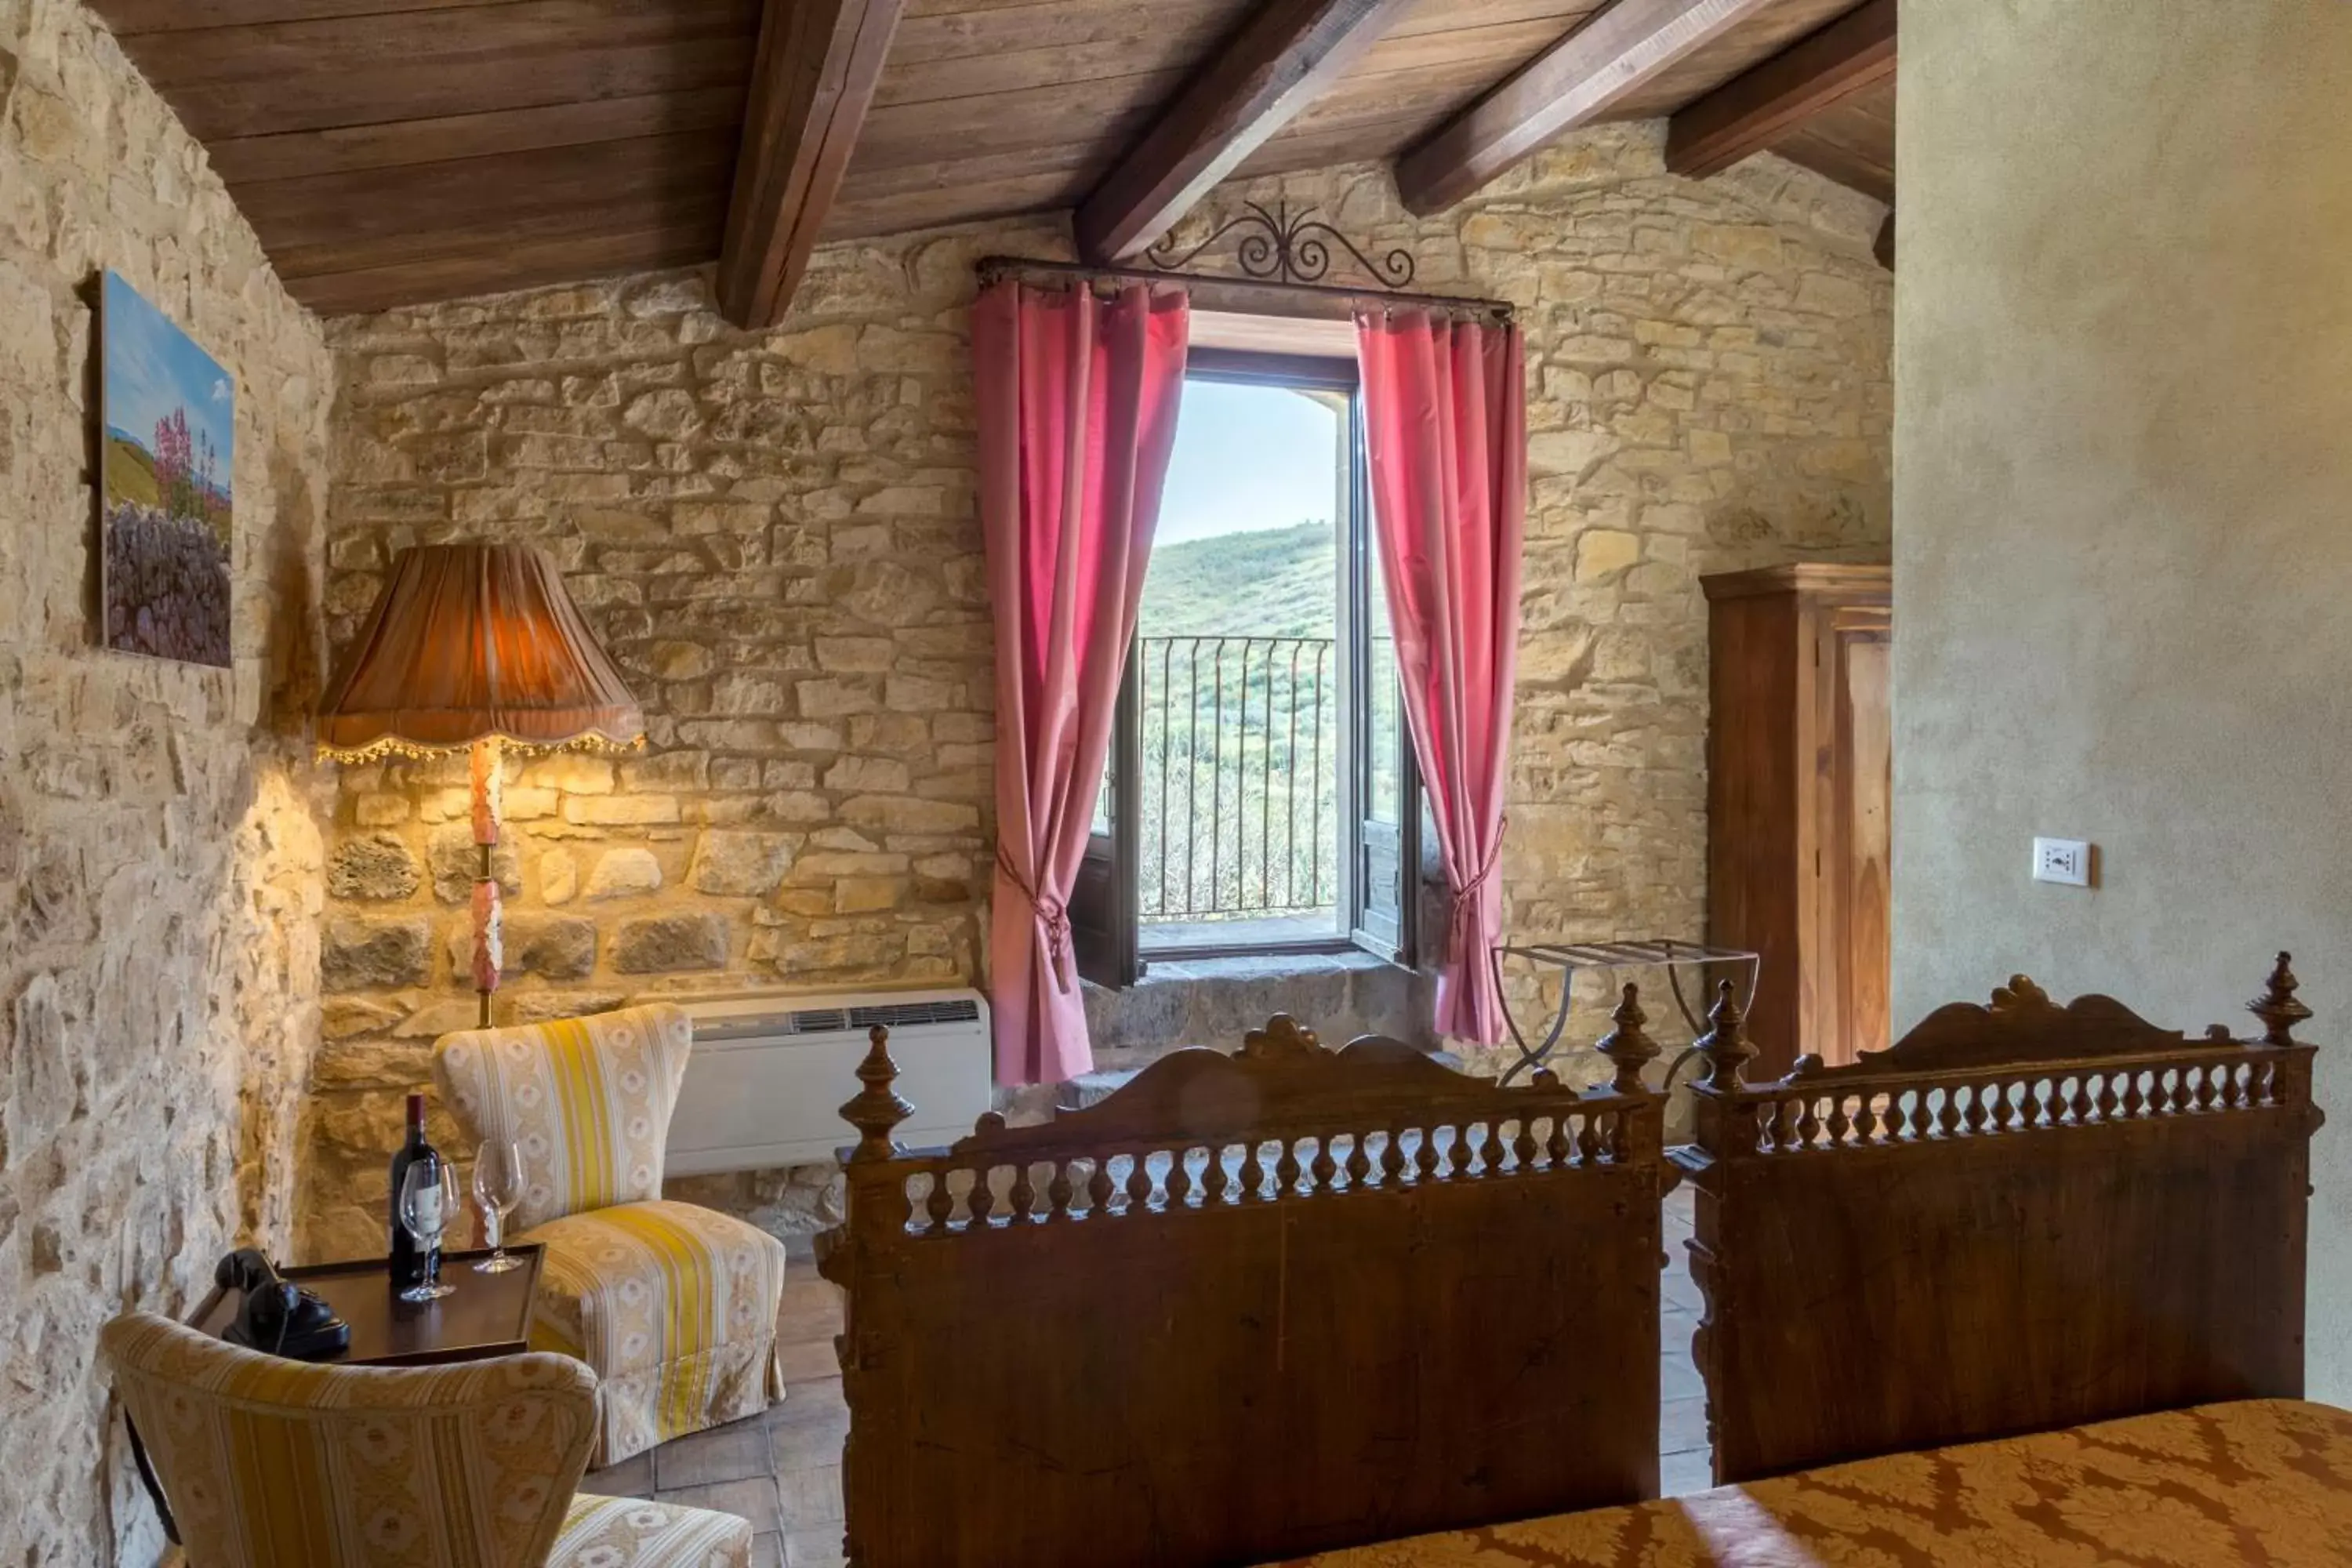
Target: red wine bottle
(410, 1264)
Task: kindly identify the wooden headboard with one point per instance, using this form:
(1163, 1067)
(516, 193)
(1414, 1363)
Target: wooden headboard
(2021, 1216)
(1397, 1298)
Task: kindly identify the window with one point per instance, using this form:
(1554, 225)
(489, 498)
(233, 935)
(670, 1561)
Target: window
(1257, 797)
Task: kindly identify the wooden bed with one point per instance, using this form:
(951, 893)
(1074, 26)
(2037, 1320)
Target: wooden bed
(2020, 1217)
(1250, 1306)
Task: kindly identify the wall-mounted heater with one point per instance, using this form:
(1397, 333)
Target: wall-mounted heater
(769, 1074)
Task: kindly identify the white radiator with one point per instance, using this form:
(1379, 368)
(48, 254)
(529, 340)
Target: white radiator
(768, 1075)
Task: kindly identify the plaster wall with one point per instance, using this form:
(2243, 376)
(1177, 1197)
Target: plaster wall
(2124, 377)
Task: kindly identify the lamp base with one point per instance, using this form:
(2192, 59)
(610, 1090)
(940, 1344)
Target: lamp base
(489, 918)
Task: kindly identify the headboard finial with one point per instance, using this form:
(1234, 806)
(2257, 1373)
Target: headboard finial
(1281, 1037)
(1725, 1045)
(876, 1108)
(2277, 1006)
(1627, 1045)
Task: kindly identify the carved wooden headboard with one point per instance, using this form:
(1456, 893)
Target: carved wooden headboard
(2021, 1216)
(1249, 1307)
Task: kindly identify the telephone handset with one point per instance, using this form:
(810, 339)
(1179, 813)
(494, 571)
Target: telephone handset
(277, 1316)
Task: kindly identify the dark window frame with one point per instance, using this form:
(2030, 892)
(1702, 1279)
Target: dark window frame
(1114, 945)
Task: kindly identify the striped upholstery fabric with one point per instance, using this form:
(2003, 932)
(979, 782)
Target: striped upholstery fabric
(674, 1306)
(586, 1099)
(626, 1533)
(275, 1464)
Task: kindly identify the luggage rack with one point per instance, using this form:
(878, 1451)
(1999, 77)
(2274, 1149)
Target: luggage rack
(1665, 953)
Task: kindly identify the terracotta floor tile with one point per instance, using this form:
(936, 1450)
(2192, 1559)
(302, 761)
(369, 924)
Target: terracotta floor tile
(734, 1452)
(1682, 1426)
(811, 1361)
(814, 1548)
(753, 1500)
(1679, 1475)
(812, 1497)
(633, 1477)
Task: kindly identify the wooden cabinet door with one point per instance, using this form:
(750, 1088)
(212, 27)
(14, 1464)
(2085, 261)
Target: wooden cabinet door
(1859, 841)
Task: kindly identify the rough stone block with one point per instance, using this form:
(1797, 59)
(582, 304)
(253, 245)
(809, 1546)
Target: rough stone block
(558, 876)
(866, 895)
(378, 867)
(360, 955)
(621, 811)
(455, 861)
(626, 873)
(883, 775)
(1602, 550)
(733, 864)
(555, 947)
(670, 943)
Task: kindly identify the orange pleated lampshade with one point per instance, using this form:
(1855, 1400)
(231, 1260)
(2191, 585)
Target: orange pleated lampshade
(475, 642)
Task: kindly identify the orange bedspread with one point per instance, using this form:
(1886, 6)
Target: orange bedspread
(2264, 1481)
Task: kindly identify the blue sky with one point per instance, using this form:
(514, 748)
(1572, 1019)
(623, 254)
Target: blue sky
(1248, 458)
(151, 368)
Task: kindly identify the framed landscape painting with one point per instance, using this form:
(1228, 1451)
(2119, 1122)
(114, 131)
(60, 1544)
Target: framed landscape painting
(166, 515)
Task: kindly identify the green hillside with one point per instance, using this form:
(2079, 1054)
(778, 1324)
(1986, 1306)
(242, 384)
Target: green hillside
(129, 474)
(1276, 582)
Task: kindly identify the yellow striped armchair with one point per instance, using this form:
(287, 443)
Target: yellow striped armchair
(275, 1464)
(675, 1306)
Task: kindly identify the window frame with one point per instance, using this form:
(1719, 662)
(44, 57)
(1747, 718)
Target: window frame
(1338, 373)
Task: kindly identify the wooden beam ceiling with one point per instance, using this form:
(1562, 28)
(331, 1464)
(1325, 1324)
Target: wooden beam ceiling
(818, 64)
(1284, 59)
(1578, 81)
(393, 153)
(1752, 111)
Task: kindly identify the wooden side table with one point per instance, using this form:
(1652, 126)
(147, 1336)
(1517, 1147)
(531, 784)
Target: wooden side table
(489, 1316)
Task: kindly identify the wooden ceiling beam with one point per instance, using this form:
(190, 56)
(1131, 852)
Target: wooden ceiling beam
(1286, 55)
(1752, 111)
(816, 73)
(1575, 81)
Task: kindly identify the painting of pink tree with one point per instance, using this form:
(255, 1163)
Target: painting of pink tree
(167, 513)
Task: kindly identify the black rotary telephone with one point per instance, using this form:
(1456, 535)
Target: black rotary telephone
(277, 1317)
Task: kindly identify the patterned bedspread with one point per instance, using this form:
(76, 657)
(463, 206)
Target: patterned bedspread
(2264, 1481)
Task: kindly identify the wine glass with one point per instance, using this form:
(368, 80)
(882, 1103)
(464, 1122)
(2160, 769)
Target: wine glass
(428, 1197)
(498, 1187)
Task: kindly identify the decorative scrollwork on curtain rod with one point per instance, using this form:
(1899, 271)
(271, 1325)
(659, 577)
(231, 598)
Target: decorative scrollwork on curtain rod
(1280, 247)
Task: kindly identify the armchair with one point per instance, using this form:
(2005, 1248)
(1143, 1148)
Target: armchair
(275, 1464)
(672, 1305)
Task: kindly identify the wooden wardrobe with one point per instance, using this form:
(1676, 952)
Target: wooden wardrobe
(1800, 773)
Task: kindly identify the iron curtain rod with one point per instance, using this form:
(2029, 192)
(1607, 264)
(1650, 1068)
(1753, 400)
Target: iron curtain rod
(990, 268)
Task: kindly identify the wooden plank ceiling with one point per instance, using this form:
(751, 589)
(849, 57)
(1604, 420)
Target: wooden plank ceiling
(393, 152)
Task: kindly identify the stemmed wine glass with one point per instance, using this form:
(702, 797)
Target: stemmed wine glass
(498, 1187)
(428, 1197)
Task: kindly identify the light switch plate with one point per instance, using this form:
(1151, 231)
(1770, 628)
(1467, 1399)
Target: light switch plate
(2063, 860)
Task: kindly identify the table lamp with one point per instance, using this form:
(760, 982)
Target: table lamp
(476, 648)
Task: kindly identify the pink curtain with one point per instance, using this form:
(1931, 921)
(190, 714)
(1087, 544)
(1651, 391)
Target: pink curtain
(1446, 424)
(1077, 401)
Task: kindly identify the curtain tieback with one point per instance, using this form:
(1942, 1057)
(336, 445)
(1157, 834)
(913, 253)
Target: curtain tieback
(1048, 909)
(1467, 894)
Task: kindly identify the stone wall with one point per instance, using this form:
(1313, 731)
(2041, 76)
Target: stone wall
(775, 534)
(161, 875)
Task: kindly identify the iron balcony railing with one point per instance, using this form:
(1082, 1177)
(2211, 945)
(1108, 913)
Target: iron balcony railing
(1240, 793)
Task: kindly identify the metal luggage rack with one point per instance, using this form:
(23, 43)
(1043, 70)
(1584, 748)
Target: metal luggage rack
(1665, 953)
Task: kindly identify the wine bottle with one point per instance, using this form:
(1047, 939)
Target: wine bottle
(411, 1265)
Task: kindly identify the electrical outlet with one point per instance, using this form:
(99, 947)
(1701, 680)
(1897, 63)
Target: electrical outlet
(2063, 860)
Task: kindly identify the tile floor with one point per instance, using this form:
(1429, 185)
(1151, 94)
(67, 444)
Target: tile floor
(782, 1470)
